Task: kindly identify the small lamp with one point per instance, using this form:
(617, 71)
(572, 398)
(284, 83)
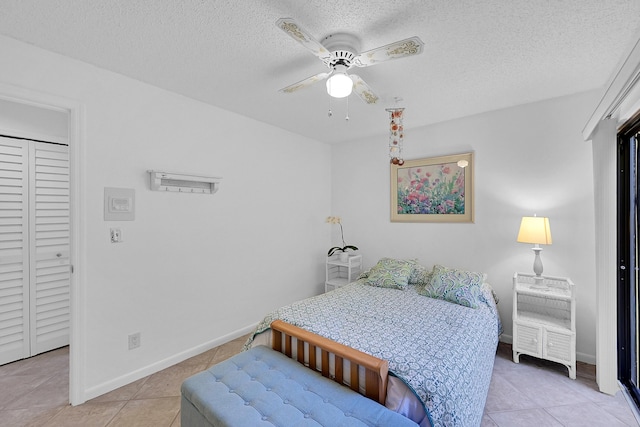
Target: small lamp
(535, 229)
(339, 84)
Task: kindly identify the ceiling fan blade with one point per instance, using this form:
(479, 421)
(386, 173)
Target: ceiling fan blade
(363, 90)
(400, 49)
(304, 83)
(300, 35)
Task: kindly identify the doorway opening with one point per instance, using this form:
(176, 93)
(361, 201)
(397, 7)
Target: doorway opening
(15, 100)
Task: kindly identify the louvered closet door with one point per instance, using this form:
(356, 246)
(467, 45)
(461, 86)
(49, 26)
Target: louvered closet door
(34, 248)
(14, 250)
(49, 246)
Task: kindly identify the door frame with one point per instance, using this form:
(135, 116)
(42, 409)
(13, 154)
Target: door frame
(627, 258)
(76, 115)
(620, 97)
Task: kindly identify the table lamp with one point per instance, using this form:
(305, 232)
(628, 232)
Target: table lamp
(535, 229)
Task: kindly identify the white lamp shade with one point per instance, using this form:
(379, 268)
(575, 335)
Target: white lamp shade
(339, 85)
(535, 229)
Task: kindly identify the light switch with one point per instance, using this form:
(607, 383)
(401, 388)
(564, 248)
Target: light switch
(116, 235)
(119, 204)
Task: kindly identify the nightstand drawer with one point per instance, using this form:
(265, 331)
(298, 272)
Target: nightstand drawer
(558, 346)
(528, 339)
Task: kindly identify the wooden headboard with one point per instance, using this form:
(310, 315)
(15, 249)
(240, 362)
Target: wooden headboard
(376, 370)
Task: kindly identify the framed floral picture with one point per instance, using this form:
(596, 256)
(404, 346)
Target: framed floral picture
(436, 189)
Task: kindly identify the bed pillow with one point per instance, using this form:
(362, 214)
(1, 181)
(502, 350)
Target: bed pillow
(456, 286)
(364, 274)
(390, 273)
(420, 275)
(489, 291)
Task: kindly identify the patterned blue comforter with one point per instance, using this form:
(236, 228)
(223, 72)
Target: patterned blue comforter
(444, 352)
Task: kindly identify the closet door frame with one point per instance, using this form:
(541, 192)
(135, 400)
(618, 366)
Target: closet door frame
(76, 114)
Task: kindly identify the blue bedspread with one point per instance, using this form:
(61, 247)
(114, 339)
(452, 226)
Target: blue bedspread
(443, 351)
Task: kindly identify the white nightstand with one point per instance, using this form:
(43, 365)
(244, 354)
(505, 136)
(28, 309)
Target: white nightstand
(544, 320)
(339, 273)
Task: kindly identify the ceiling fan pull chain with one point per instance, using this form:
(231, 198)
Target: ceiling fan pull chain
(347, 118)
(330, 114)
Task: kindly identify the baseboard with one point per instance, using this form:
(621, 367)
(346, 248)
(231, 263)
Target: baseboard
(506, 338)
(130, 377)
(580, 357)
(586, 358)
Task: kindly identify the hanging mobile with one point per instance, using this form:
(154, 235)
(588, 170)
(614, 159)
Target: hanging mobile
(396, 134)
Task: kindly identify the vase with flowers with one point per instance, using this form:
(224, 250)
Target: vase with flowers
(341, 251)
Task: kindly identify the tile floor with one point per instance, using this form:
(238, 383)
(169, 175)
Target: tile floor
(34, 392)
(540, 393)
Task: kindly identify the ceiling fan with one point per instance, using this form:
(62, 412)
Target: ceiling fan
(339, 53)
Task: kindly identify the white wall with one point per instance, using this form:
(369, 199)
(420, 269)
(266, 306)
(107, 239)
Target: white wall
(192, 269)
(528, 159)
(28, 121)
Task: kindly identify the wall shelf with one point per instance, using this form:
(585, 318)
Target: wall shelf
(183, 183)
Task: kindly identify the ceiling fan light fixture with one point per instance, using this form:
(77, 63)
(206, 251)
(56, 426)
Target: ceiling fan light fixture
(339, 85)
(341, 51)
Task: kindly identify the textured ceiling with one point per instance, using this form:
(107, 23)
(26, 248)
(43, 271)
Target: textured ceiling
(478, 56)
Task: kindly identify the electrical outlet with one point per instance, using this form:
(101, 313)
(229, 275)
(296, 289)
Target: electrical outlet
(116, 235)
(134, 340)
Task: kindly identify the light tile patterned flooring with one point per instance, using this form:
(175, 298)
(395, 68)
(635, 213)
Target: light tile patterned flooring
(34, 392)
(536, 392)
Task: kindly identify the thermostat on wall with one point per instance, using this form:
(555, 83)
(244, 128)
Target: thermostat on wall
(119, 204)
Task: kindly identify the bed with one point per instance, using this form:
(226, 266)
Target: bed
(439, 333)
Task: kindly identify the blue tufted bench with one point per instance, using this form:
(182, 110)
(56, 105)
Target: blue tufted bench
(263, 387)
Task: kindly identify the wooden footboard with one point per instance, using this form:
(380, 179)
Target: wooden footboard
(376, 370)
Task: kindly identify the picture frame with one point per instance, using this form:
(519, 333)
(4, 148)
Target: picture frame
(434, 189)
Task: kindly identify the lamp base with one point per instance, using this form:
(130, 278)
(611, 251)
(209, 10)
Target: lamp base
(538, 284)
(537, 269)
(537, 262)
